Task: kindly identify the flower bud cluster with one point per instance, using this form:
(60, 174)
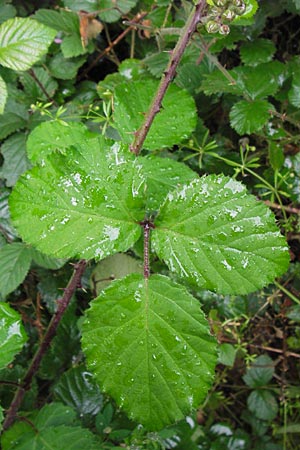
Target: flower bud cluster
(220, 12)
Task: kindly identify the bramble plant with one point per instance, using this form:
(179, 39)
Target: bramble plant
(105, 184)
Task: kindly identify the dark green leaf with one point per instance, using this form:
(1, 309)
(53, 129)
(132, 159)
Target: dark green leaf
(263, 404)
(260, 372)
(110, 12)
(87, 203)
(54, 429)
(61, 20)
(23, 42)
(6, 11)
(72, 46)
(257, 51)
(15, 262)
(46, 261)
(132, 101)
(65, 68)
(12, 334)
(250, 117)
(15, 159)
(32, 87)
(215, 234)
(294, 92)
(14, 118)
(149, 340)
(76, 388)
(276, 155)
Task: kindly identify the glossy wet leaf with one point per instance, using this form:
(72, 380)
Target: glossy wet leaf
(149, 340)
(77, 388)
(132, 101)
(249, 117)
(216, 235)
(55, 428)
(163, 175)
(87, 203)
(12, 334)
(55, 136)
(23, 42)
(15, 262)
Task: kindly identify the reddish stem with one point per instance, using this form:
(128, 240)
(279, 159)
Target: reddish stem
(45, 344)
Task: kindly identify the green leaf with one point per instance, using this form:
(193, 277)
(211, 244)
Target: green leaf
(32, 87)
(15, 159)
(263, 404)
(216, 235)
(3, 95)
(149, 340)
(260, 372)
(1, 417)
(6, 11)
(250, 117)
(294, 92)
(257, 51)
(53, 136)
(65, 68)
(132, 101)
(54, 429)
(72, 46)
(163, 175)
(12, 334)
(67, 21)
(23, 42)
(227, 353)
(76, 388)
(216, 82)
(87, 203)
(110, 12)
(46, 261)
(276, 155)
(15, 262)
(14, 118)
(113, 268)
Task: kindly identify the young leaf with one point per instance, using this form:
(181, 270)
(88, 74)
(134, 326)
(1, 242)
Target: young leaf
(15, 262)
(3, 95)
(132, 101)
(250, 117)
(221, 238)
(15, 159)
(87, 203)
(23, 42)
(148, 340)
(257, 51)
(12, 334)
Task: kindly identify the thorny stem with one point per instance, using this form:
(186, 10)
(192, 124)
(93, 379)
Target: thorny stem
(49, 335)
(147, 226)
(168, 75)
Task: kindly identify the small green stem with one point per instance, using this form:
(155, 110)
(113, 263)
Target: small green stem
(287, 292)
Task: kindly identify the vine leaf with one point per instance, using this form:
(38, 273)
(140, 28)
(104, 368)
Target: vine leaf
(148, 340)
(12, 334)
(15, 262)
(55, 427)
(87, 203)
(219, 237)
(250, 117)
(132, 101)
(23, 42)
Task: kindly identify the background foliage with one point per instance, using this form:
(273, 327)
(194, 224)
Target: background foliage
(233, 109)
